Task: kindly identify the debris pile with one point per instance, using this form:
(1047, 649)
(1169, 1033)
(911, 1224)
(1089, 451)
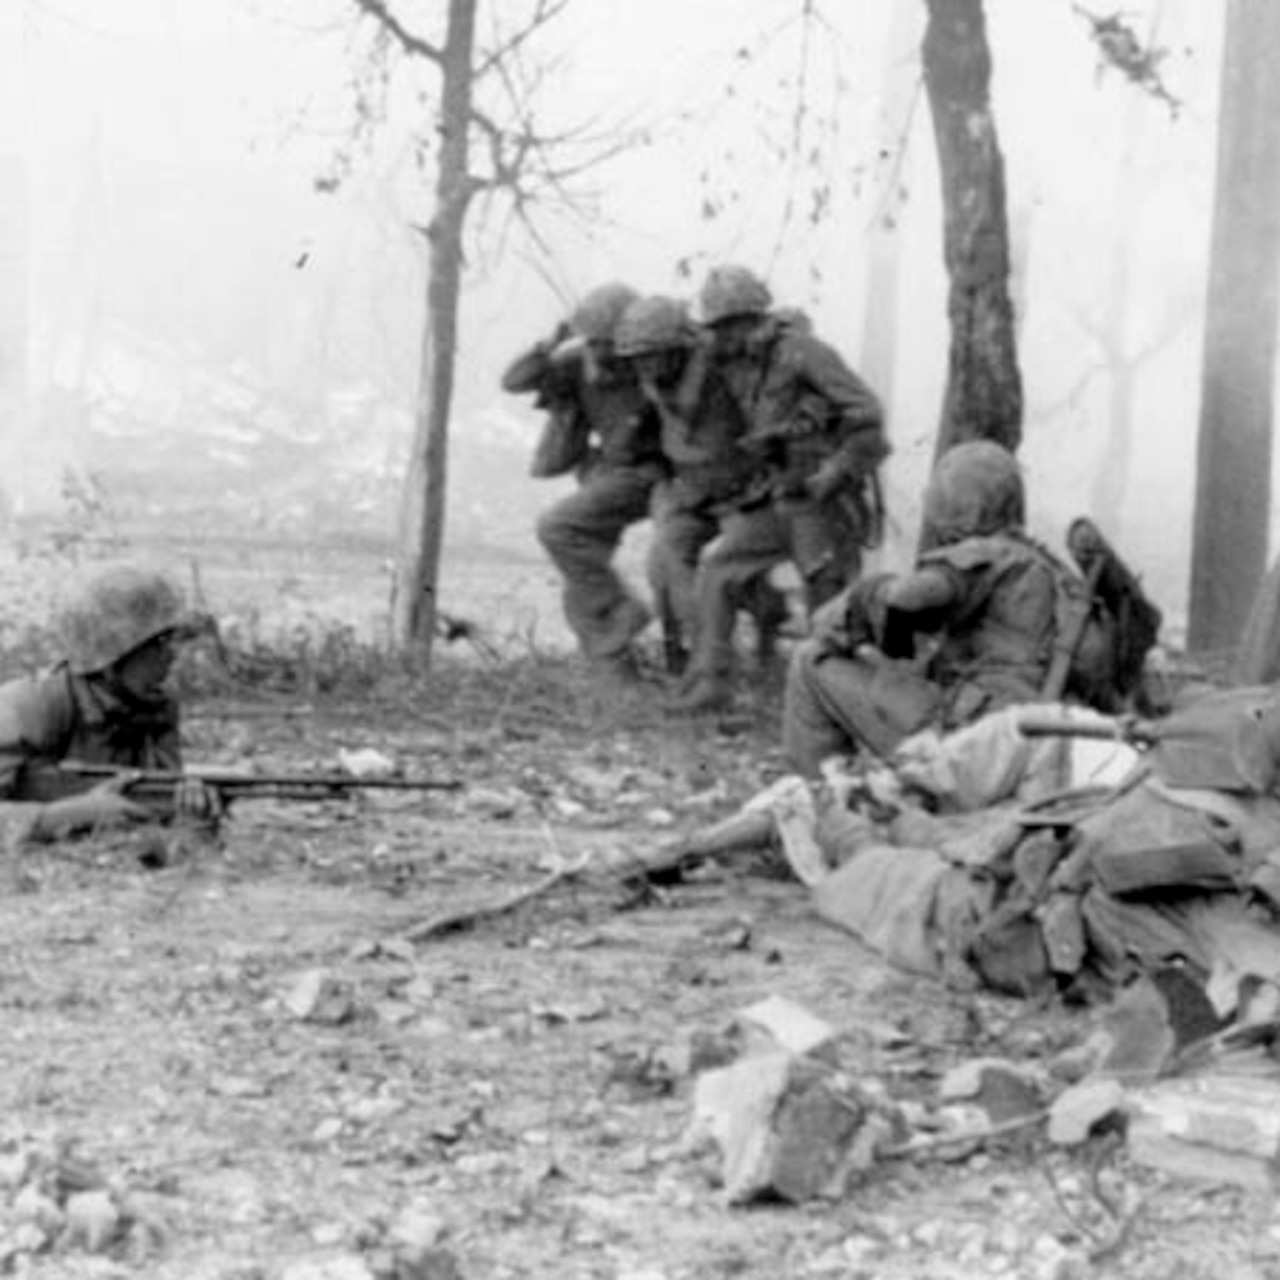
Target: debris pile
(57, 1201)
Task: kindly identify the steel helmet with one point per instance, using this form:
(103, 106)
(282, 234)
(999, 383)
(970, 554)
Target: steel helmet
(733, 291)
(653, 324)
(597, 315)
(975, 489)
(117, 610)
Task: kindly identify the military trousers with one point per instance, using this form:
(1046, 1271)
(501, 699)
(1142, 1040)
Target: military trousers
(581, 534)
(686, 519)
(817, 537)
(839, 704)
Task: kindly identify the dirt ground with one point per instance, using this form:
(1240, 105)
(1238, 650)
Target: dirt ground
(274, 1084)
(497, 1091)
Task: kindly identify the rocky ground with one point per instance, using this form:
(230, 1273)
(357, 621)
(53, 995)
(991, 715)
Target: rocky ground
(237, 1065)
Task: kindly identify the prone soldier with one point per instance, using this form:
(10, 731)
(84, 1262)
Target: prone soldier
(105, 703)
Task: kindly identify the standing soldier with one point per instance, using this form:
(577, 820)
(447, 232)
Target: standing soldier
(817, 433)
(702, 430)
(600, 425)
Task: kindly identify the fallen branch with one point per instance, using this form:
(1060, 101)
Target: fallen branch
(743, 833)
(986, 1133)
(465, 920)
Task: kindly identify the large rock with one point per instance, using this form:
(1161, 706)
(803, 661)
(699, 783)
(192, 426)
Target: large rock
(785, 1126)
(783, 1024)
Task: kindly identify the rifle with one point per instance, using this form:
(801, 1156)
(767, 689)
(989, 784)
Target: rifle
(157, 786)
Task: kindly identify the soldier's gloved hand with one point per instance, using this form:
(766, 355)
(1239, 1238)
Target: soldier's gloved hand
(104, 806)
(197, 803)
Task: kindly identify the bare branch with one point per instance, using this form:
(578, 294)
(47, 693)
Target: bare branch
(545, 12)
(410, 43)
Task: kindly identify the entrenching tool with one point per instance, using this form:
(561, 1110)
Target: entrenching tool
(1224, 741)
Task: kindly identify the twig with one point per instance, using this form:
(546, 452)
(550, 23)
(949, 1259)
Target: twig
(1102, 1244)
(985, 1134)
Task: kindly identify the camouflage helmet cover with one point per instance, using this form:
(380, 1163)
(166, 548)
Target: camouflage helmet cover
(733, 291)
(976, 489)
(596, 317)
(653, 324)
(115, 611)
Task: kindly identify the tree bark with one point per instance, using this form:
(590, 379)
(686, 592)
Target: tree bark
(423, 504)
(983, 398)
(1233, 476)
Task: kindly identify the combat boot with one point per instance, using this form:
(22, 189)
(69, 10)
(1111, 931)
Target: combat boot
(705, 693)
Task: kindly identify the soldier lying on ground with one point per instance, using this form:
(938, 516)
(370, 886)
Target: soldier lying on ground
(105, 703)
(987, 598)
(601, 427)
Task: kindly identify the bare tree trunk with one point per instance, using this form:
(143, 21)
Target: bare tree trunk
(1233, 478)
(423, 503)
(983, 399)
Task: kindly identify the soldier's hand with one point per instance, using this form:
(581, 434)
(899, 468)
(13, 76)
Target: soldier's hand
(197, 803)
(105, 806)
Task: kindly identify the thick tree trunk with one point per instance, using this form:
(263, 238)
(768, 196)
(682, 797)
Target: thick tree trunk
(423, 504)
(983, 399)
(1233, 478)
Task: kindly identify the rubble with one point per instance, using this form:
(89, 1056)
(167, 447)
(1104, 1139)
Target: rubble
(58, 1202)
(1000, 1090)
(320, 996)
(787, 1025)
(786, 1127)
(1213, 1128)
(1079, 1110)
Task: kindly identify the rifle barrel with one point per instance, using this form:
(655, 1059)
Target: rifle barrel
(231, 782)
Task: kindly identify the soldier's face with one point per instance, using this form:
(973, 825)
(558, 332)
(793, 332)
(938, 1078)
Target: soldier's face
(143, 672)
(659, 368)
(729, 336)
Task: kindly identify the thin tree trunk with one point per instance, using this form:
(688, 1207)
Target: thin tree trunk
(423, 504)
(1233, 478)
(983, 399)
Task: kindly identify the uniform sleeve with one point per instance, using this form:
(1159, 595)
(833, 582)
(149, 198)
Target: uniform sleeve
(33, 725)
(921, 601)
(845, 401)
(826, 372)
(533, 371)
